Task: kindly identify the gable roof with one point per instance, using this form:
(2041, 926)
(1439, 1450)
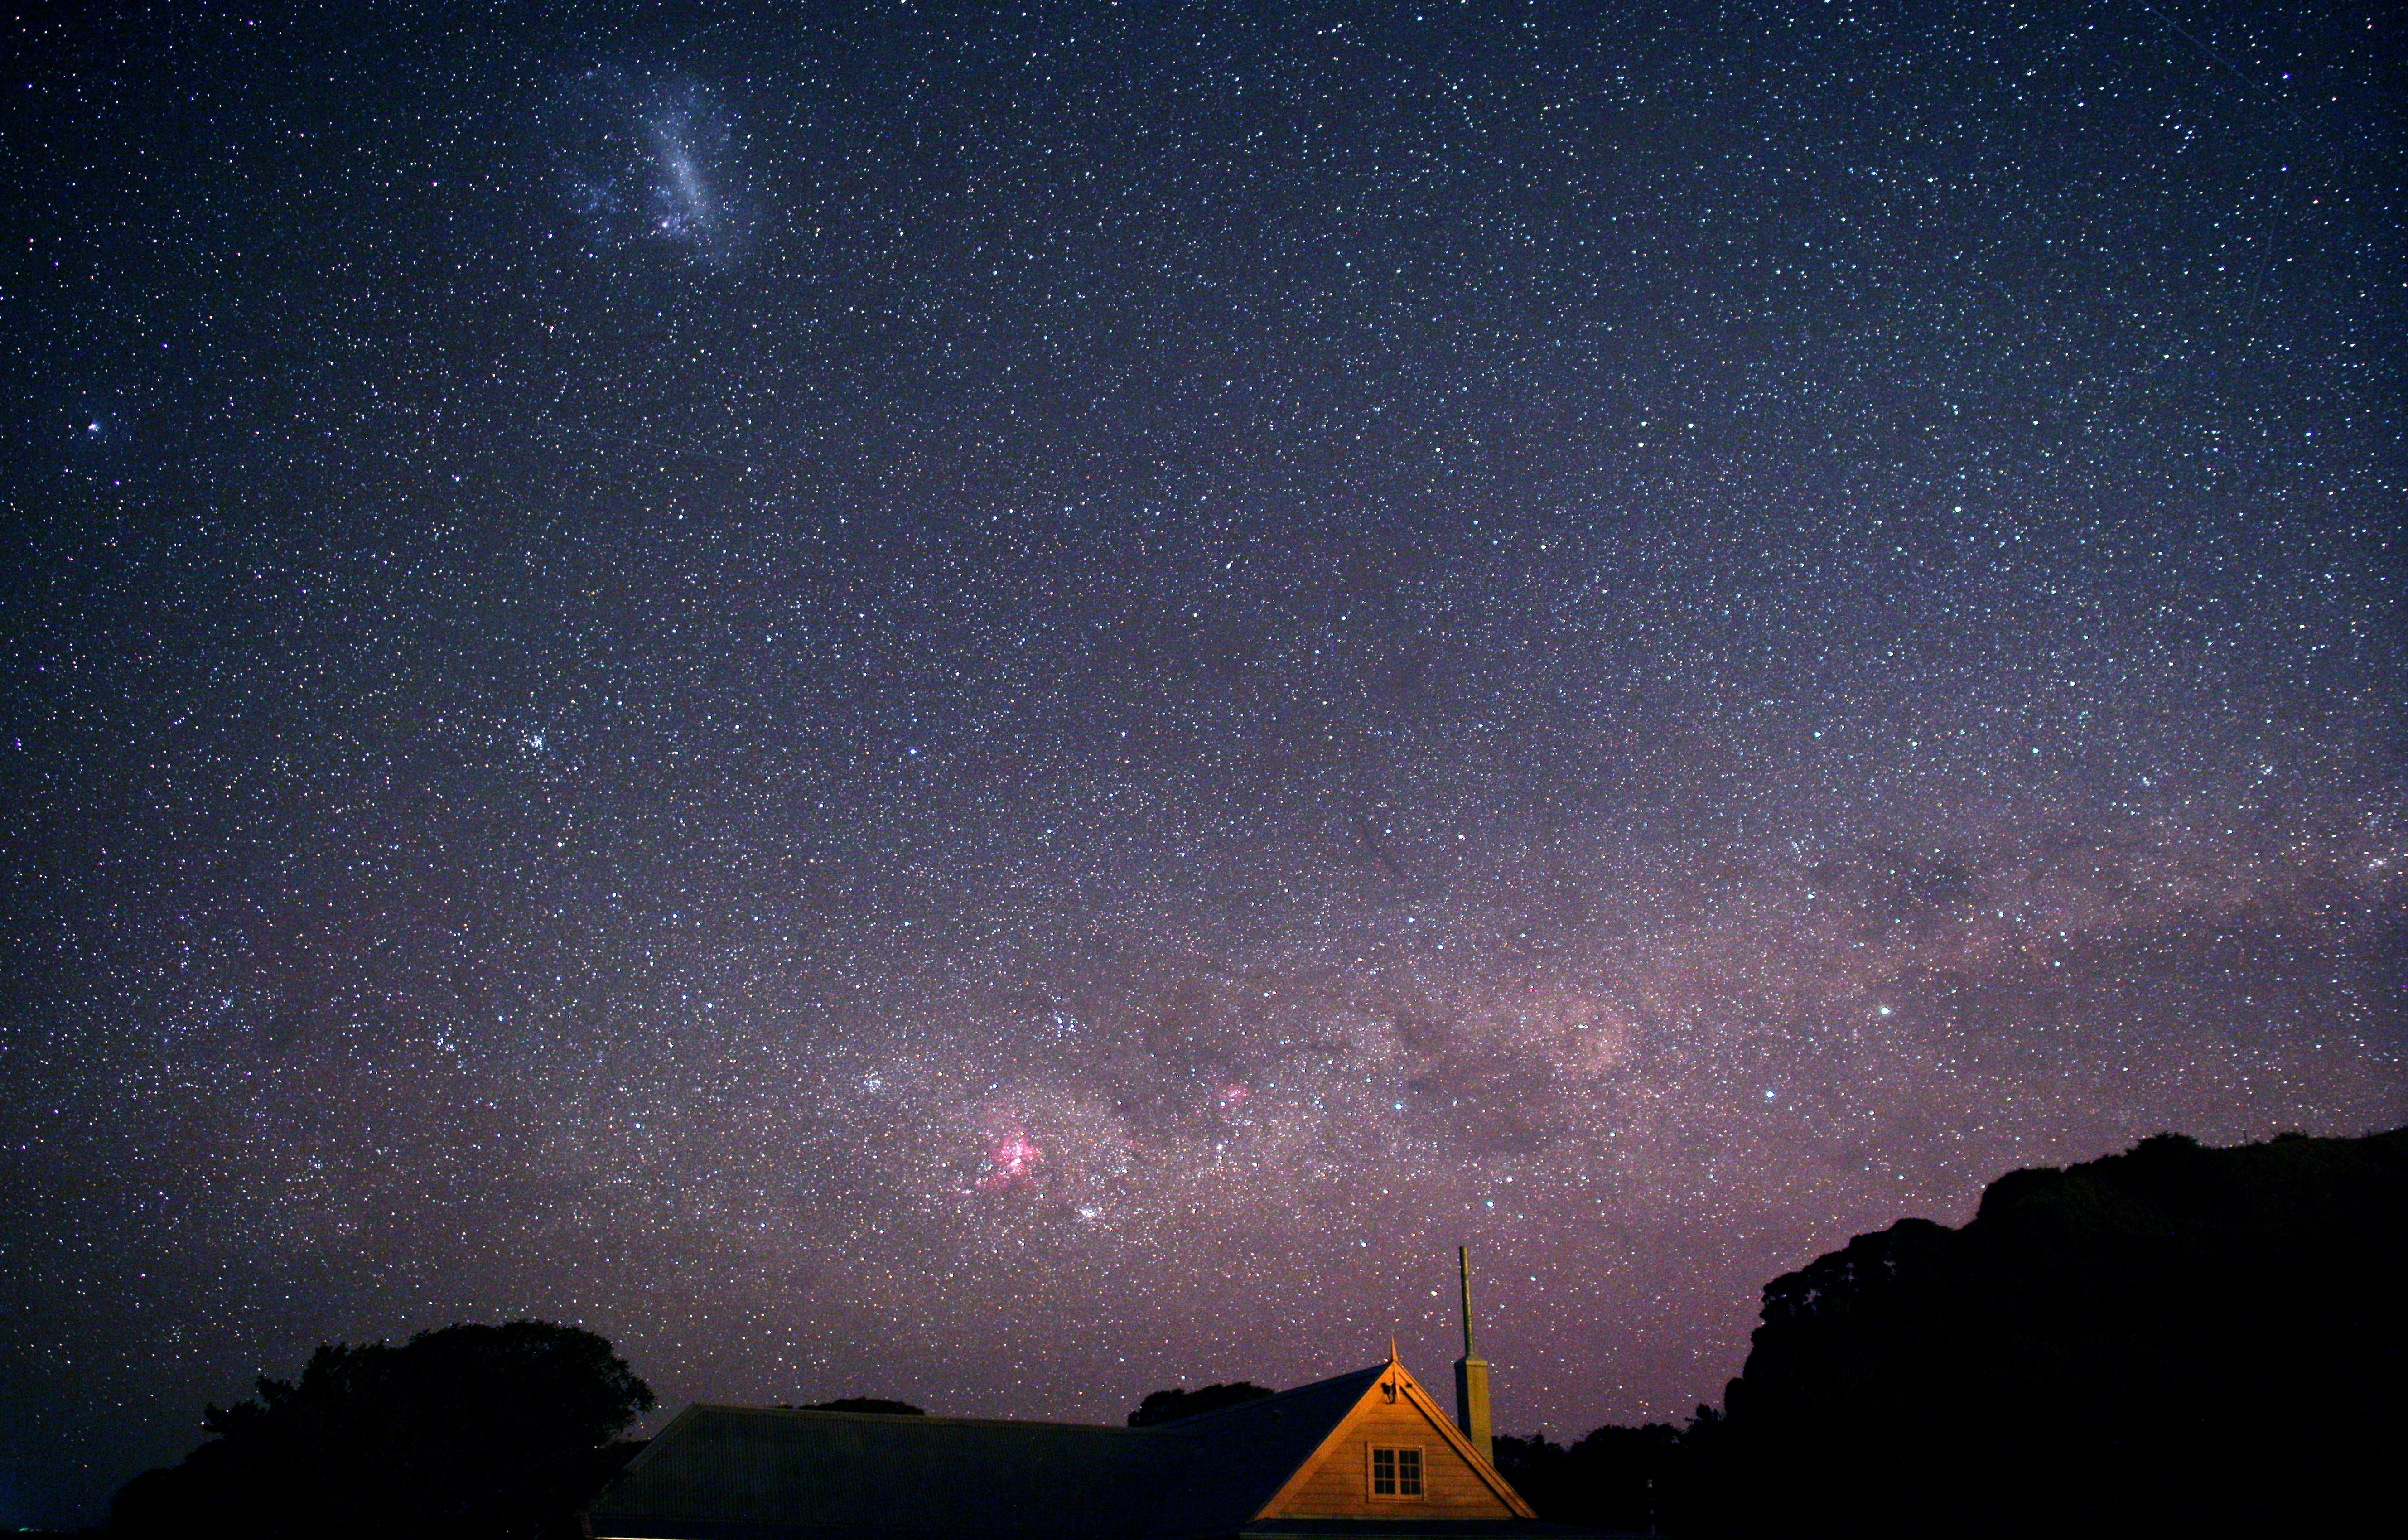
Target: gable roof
(734, 1473)
(1250, 1450)
(1409, 1391)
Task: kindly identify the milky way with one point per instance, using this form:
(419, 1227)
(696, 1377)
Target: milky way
(1009, 710)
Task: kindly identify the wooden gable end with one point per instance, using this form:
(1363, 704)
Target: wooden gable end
(1396, 1413)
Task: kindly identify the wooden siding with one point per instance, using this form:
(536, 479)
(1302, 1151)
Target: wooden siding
(1337, 1482)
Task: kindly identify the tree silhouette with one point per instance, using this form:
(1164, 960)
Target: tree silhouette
(2172, 1341)
(1172, 1404)
(867, 1403)
(2176, 1339)
(1634, 1479)
(487, 1432)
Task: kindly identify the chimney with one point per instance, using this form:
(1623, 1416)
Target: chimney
(1471, 1375)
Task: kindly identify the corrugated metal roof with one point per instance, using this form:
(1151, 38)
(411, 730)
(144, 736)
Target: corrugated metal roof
(734, 1471)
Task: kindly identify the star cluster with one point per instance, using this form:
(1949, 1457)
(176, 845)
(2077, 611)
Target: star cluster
(1010, 706)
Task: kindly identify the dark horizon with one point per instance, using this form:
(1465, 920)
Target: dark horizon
(1007, 708)
(2092, 1353)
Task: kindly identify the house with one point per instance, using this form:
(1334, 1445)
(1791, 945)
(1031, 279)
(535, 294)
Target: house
(1364, 1453)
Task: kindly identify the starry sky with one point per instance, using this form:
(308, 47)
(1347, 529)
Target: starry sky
(1009, 704)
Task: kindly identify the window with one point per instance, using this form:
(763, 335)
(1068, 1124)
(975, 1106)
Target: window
(1396, 1473)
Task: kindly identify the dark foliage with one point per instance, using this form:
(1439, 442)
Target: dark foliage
(2172, 1341)
(494, 1433)
(867, 1403)
(1172, 1404)
(1616, 1478)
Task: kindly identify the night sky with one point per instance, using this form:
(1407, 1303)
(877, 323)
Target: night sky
(1006, 706)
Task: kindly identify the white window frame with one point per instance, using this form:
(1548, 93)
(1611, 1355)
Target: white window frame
(1397, 1453)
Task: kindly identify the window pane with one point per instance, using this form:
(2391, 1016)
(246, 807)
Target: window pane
(1383, 1473)
(1408, 1473)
